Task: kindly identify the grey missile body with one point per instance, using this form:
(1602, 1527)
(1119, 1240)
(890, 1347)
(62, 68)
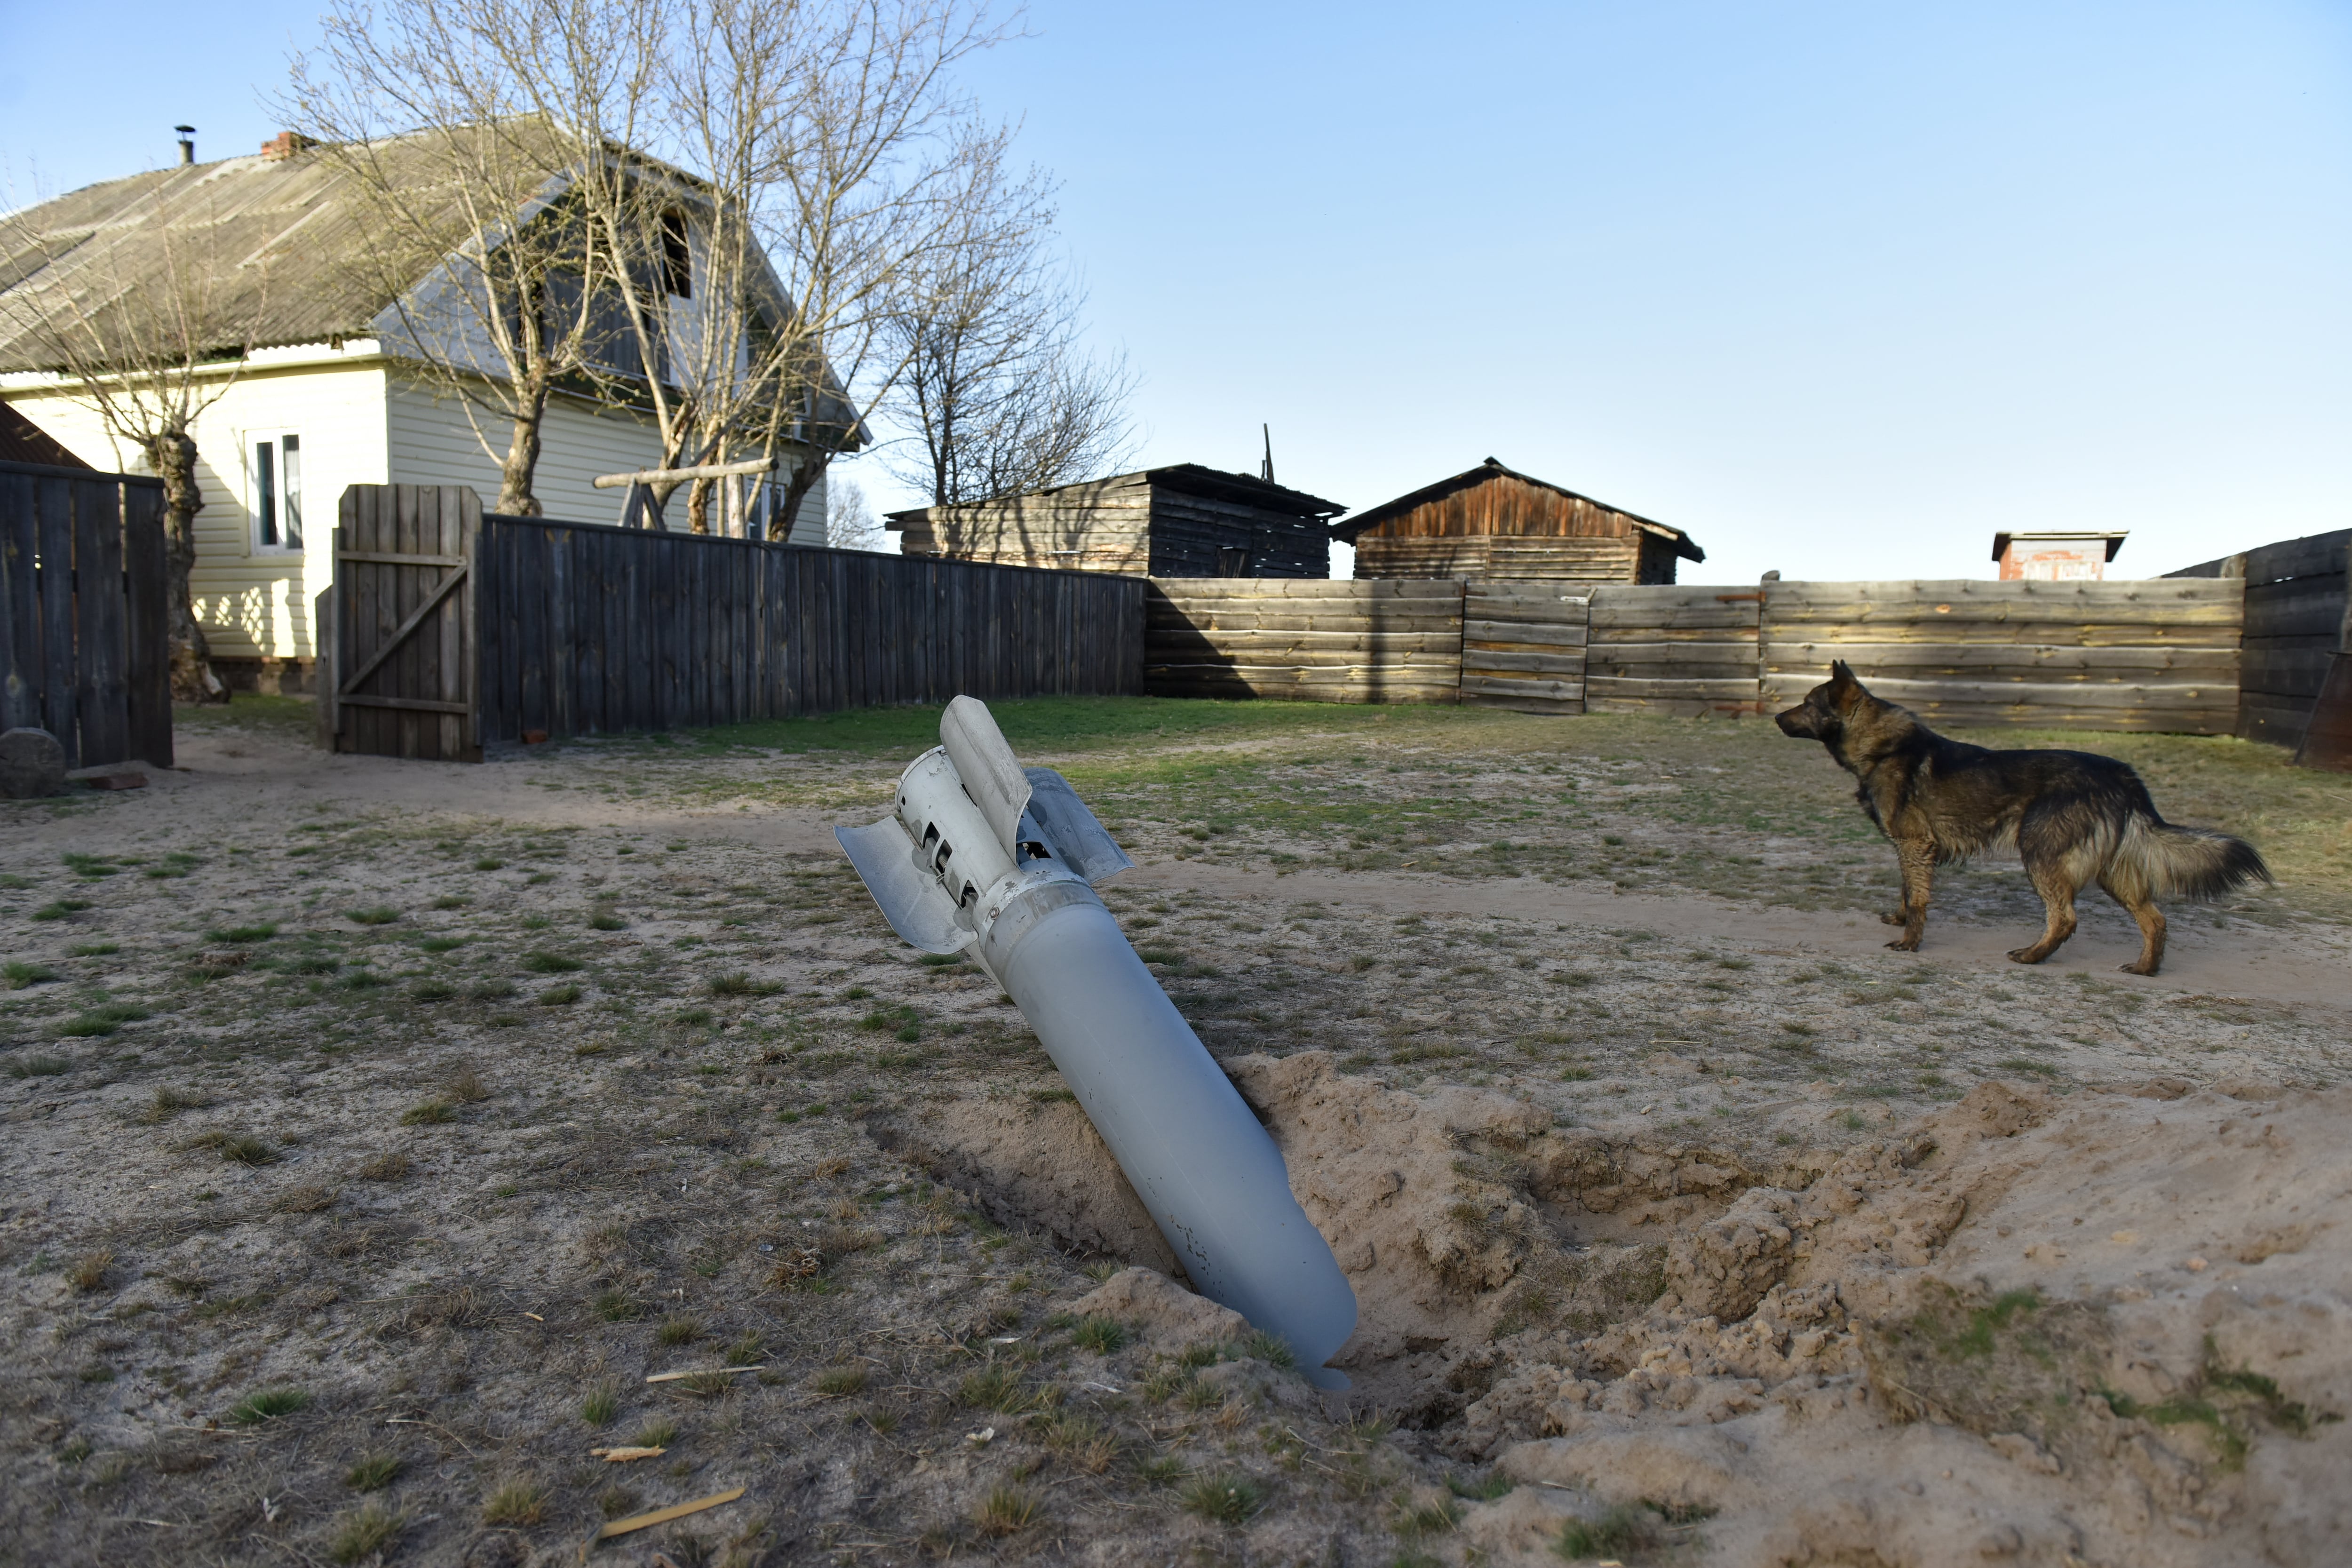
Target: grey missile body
(990, 858)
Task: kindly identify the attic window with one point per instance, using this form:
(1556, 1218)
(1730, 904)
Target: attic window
(676, 258)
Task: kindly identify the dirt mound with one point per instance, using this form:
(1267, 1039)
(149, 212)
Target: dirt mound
(2112, 1328)
(1163, 1313)
(1035, 1163)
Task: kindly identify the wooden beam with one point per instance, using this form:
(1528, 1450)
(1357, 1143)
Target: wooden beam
(681, 475)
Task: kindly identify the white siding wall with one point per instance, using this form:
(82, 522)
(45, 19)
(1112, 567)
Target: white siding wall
(434, 443)
(252, 603)
(360, 426)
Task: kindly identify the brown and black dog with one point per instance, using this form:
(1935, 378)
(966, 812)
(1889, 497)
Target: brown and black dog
(2074, 818)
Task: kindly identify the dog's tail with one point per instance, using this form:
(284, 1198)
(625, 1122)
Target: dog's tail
(2183, 862)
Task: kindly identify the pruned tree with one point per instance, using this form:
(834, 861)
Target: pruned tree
(467, 186)
(995, 394)
(147, 322)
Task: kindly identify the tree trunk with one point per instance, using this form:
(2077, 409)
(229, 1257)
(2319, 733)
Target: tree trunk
(697, 505)
(522, 465)
(173, 456)
(805, 474)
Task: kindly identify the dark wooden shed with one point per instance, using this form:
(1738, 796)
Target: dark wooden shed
(1492, 522)
(1183, 521)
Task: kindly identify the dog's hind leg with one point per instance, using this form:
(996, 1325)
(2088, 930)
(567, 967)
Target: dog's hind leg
(2120, 886)
(2058, 883)
(1917, 858)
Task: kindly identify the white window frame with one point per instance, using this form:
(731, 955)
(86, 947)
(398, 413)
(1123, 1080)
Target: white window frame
(271, 492)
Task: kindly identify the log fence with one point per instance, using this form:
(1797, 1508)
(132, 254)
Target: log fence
(2159, 655)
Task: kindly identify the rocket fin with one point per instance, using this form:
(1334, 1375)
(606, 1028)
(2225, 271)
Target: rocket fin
(913, 903)
(991, 772)
(1071, 830)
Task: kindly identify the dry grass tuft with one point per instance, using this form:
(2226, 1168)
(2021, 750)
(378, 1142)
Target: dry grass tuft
(392, 1167)
(520, 1501)
(840, 1381)
(367, 1531)
(1007, 1510)
(308, 1198)
(88, 1272)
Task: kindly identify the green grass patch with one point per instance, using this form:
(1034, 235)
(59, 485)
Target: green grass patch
(268, 1405)
(103, 1019)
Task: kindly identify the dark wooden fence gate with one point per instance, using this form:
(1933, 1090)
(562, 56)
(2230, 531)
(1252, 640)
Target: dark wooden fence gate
(398, 623)
(449, 628)
(82, 612)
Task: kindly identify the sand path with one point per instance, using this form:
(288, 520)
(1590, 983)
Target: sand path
(241, 778)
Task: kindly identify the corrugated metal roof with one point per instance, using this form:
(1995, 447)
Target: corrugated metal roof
(278, 242)
(286, 245)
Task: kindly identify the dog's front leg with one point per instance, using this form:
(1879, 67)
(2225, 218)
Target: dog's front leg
(1917, 859)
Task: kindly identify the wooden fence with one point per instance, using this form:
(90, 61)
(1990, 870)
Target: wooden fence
(2159, 654)
(1307, 637)
(2109, 655)
(82, 625)
(1523, 645)
(461, 628)
(2298, 621)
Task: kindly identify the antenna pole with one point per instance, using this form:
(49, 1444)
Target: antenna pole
(1266, 473)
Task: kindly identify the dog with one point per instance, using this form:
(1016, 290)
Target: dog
(2073, 818)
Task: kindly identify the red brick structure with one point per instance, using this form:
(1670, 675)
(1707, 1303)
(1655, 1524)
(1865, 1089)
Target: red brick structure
(2058, 557)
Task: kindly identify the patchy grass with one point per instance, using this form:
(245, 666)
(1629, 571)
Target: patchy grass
(366, 1534)
(268, 1405)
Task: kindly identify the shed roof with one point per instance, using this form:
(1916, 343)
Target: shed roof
(1493, 468)
(1186, 478)
(21, 441)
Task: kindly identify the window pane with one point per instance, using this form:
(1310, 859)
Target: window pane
(265, 490)
(291, 483)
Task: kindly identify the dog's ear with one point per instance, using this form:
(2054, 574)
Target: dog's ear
(1844, 691)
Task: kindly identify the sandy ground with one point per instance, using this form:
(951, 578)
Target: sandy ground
(380, 1126)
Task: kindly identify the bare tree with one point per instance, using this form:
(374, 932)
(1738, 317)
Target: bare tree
(478, 236)
(148, 321)
(996, 395)
(828, 150)
(754, 181)
(849, 519)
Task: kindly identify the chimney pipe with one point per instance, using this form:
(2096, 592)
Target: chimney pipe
(187, 144)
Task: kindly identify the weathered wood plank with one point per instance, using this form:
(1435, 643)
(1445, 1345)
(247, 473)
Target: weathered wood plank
(53, 501)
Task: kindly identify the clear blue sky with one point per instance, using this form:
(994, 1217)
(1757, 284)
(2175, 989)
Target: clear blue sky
(1839, 289)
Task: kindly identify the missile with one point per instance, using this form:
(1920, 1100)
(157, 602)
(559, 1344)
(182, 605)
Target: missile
(986, 857)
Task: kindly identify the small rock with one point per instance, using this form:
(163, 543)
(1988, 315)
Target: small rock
(32, 765)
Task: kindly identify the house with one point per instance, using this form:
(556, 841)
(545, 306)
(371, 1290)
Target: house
(332, 391)
(2080, 557)
(1183, 521)
(1492, 522)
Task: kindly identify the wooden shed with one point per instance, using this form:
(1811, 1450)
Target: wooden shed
(1492, 522)
(1183, 521)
